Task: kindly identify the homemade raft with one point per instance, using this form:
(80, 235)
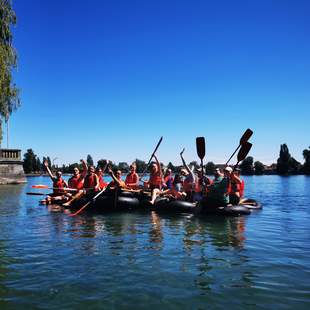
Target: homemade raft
(130, 201)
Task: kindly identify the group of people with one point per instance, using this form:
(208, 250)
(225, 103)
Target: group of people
(189, 184)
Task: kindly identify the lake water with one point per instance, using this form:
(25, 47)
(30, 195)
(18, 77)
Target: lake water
(49, 260)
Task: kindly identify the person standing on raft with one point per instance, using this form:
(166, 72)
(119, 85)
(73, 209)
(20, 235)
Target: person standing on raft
(236, 187)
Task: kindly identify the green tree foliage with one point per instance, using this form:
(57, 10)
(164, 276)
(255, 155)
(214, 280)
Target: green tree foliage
(247, 166)
(141, 165)
(194, 164)
(101, 163)
(259, 168)
(124, 167)
(172, 167)
(89, 160)
(294, 166)
(306, 165)
(210, 167)
(30, 161)
(9, 94)
(283, 160)
(49, 161)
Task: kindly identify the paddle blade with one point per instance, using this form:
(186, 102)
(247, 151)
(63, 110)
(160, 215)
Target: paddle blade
(39, 186)
(36, 194)
(246, 136)
(201, 147)
(244, 151)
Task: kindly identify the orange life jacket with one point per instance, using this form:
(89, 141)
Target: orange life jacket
(155, 180)
(90, 181)
(132, 178)
(76, 182)
(58, 185)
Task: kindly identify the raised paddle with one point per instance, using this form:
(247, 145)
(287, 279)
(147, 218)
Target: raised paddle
(88, 203)
(245, 137)
(201, 150)
(157, 146)
(242, 154)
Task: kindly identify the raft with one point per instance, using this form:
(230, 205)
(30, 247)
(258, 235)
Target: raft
(132, 201)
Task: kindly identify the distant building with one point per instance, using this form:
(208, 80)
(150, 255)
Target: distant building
(11, 167)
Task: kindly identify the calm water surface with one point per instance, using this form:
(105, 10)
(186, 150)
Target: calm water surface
(49, 260)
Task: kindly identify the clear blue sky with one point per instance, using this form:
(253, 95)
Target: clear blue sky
(108, 78)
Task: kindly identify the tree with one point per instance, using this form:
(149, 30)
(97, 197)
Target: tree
(194, 164)
(294, 166)
(30, 161)
(259, 168)
(101, 163)
(49, 161)
(283, 162)
(306, 165)
(172, 167)
(141, 165)
(124, 167)
(210, 167)
(89, 160)
(38, 165)
(9, 94)
(247, 166)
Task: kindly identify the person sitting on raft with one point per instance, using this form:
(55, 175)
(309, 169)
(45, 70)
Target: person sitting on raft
(100, 173)
(201, 183)
(168, 179)
(189, 178)
(132, 178)
(59, 185)
(76, 181)
(155, 181)
(176, 191)
(117, 181)
(91, 181)
(218, 191)
(236, 187)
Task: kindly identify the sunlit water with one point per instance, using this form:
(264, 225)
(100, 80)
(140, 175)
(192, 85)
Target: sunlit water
(49, 260)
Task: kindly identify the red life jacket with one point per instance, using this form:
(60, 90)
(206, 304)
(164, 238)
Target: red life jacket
(155, 180)
(76, 182)
(242, 188)
(58, 185)
(90, 181)
(132, 178)
(187, 186)
(102, 184)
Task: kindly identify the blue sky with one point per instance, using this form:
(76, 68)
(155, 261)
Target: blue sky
(108, 78)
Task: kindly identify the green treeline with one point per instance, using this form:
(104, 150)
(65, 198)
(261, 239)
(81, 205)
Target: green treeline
(286, 164)
(9, 94)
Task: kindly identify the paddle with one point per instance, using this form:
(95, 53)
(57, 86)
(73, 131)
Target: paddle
(201, 150)
(36, 194)
(157, 146)
(88, 203)
(245, 137)
(47, 187)
(242, 154)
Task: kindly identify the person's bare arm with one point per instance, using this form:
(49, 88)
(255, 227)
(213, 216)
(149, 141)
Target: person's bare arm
(48, 170)
(113, 176)
(184, 163)
(158, 165)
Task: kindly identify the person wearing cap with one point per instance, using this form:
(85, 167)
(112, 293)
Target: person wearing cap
(168, 179)
(218, 195)
(236, 187)
(201, 183)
